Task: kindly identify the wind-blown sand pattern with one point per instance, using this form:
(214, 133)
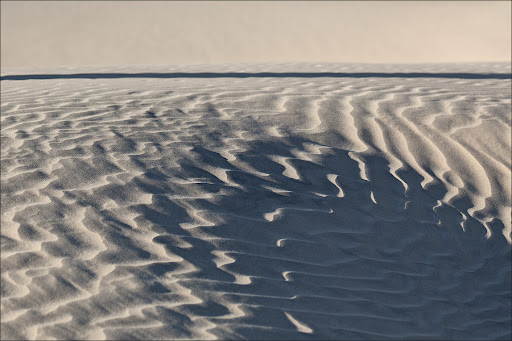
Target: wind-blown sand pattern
(337, 202)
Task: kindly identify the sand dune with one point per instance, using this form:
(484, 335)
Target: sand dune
(75, 33)
(345, 201)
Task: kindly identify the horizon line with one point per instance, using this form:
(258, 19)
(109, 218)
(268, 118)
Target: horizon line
(461, 75)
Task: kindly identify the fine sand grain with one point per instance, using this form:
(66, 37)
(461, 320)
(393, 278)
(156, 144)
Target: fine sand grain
(279, 201)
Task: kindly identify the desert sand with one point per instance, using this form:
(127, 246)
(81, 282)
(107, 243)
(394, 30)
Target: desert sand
(256, 201)
(78, 33)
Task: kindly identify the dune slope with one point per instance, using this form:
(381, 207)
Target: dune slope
(337, 202)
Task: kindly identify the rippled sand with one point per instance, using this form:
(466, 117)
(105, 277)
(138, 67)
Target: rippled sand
(291, 201)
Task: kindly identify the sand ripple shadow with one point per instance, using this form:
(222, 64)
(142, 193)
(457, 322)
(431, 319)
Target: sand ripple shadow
(211, 215)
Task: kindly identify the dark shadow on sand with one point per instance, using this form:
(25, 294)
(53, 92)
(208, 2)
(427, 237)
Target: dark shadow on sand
(261, 75)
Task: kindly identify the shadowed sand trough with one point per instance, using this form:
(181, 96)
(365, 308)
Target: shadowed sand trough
(257, 207)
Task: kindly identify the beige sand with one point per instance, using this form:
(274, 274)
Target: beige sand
(341, 201)
(36, 33)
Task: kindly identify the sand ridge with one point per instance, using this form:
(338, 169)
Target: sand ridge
(257, 207)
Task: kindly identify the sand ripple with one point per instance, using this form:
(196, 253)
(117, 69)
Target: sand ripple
(260, 207)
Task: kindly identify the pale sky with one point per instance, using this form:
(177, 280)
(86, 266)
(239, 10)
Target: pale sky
(52, 33)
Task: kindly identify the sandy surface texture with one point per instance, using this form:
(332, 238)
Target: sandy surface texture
(35, 33)
(282, 201)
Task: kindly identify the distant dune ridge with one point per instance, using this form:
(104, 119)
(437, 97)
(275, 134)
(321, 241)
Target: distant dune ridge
(262, 207)
(56, 33)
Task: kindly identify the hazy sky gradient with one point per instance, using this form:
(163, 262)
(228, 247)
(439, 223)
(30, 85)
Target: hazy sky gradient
(108, 33)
